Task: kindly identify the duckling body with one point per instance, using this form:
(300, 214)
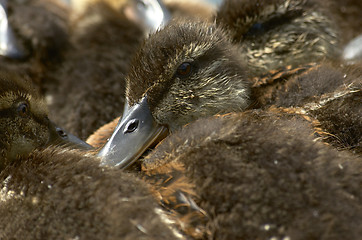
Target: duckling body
(58, 192)
(90, 83)
(329, 93)
(24, 122)
(278, 33)
(63, 194)
(255, 174)
(41, 30)
(261, 175)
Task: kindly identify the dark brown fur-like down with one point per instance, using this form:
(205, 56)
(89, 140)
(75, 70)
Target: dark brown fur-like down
(89, 89)
(347, 15)
(41, 27)
(328, 93)
(63, 194)
(261, 175)
(273, 34)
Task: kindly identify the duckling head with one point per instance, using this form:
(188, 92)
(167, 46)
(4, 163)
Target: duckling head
(181, 73)
(24, 121)
(276, 33)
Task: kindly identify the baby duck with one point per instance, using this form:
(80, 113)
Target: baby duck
(328, 93)
(58, 192)
(33, 37)
(189, 70)
(260, 175)
(24, 120)
(278, 33)
(90, 82)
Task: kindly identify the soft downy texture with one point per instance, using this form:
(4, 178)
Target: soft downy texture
(63, 194)
(261, 174)
(41, 29)
(87, 90)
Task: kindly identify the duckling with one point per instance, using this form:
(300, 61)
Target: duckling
(198, 72)
(274, 34)
(261, 175)
(24, 120)
(328, 93)
(90, 83)
(189, 70)
(59, 193)
(37, 31)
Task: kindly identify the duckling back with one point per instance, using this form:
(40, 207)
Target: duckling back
(41, 28)
(63, 194)
(261, 174)
(274, 34)
(90, 85)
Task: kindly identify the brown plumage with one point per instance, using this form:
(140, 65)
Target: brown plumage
(24, 122)
(57, 192)
(261, 174)
(63, 194)
(41, 28)
(89, 85)
(274, 34)
(329, 93)
(347, 16)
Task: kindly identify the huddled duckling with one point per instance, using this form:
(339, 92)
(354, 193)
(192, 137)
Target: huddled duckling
(90, 84)
(197, 72)
(274, 34)
(328, 93)
(24, 120)
(58, 192)
(33, 37)
(261, 175)
(181, 73)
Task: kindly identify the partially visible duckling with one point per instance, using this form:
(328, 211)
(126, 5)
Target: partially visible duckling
(39, 30)
(197, 10)
(261, 175)
(24, 121)
(184, 72)
(329, 93)
(274, 34)
(60, 193)
(90, 84)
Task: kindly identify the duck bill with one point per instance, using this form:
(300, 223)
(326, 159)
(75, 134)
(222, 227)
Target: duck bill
(60, 137)
(151, 14)
(9, 46)
(135, 133)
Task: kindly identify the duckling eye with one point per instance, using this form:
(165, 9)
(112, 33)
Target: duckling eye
(23, 109)
(131, 126)
(184, 70)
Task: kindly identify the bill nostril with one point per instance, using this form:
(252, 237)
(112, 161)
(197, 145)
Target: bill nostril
(61, 132)
(131, 126)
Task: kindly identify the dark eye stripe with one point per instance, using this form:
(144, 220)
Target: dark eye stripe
(184, 70)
